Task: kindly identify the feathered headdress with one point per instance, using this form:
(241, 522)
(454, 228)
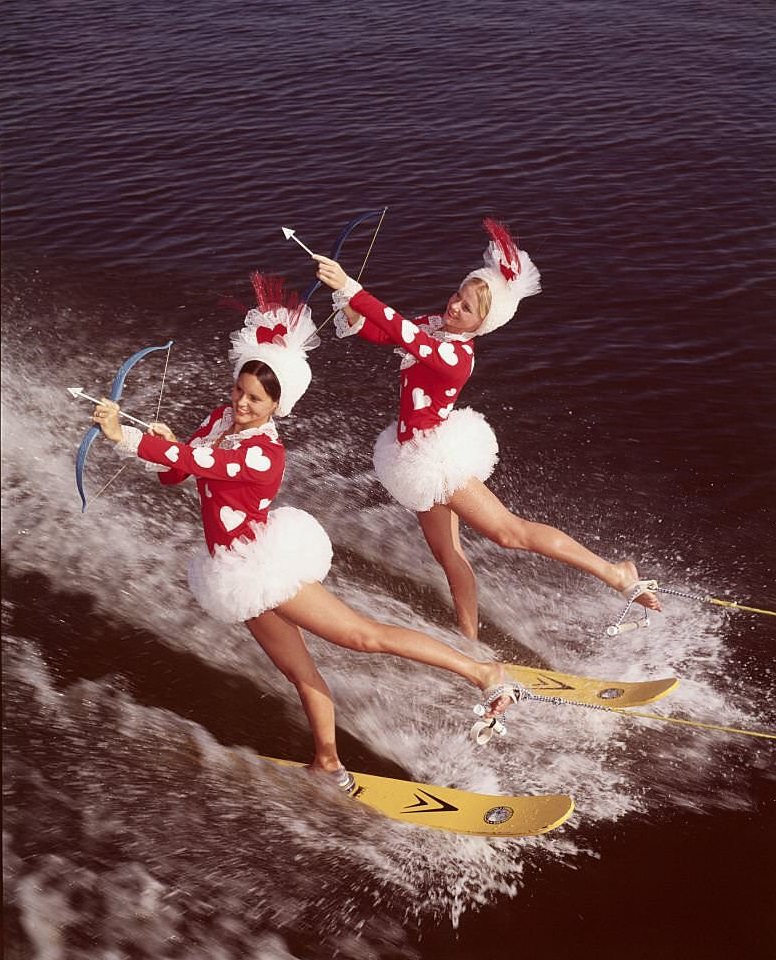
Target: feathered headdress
(279, 333)
(509, 273)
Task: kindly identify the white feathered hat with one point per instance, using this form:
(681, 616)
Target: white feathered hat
(509, 273)
(279, 333)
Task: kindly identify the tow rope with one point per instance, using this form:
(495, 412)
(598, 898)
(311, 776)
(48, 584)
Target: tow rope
(621, 625)
(483, 730)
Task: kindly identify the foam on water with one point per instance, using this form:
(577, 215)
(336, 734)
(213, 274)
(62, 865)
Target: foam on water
(180, 811)
(146, 151)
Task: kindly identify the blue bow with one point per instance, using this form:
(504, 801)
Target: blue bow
(340, 242)
(115, 395)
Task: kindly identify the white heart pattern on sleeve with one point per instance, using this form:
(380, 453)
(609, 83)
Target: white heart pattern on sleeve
(264, 503)
(233, 469)
(256, 459)
(231, 519)
(390, 313)
(444, 412)
(448, 354)
(451, 392)
(172, 454)
(203, 457)
(408, 331)
(420, 399)
(424, 350)
(208, 491)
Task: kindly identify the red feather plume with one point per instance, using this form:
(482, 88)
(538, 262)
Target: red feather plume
(270, 293)
(501, 236)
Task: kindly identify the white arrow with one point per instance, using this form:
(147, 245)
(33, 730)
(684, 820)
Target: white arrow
(79, 392)
(290, 234)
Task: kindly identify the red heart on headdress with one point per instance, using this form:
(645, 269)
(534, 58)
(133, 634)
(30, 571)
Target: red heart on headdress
(507, 271)
(265, 335)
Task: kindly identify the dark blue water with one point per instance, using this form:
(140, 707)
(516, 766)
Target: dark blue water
(151, 153)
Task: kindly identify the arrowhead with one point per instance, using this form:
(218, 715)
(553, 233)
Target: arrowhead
(288, 232)
(75, 391)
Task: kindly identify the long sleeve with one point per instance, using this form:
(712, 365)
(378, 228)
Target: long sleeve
(450, 358)
(173, 475)
(236, 482)
(371, 332)
(257, 460)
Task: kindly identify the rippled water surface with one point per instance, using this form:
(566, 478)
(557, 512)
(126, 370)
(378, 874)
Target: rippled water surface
(151, 153)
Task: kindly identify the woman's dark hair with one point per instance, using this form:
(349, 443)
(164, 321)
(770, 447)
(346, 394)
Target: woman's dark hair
(265, 375)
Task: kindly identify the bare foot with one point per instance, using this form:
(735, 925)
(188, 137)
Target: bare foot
(326, 764)
(626, 574)
(492, 676)
(338, 776)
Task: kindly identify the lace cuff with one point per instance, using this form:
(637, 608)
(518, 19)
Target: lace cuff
(339, 300)
(130, 441)
(344, 328)
(127, 447)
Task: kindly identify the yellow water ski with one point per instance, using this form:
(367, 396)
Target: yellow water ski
(614, 694)
(457, 811)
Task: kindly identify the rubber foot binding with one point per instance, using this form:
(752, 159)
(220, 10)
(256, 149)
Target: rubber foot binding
(630, 595)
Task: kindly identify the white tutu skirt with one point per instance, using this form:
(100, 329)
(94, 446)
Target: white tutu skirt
(251, 576)
(429, 468)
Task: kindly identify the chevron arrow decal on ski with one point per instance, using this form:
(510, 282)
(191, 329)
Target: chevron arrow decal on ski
(550, 683)
(423, 805)
(588, 690)
(460, 812)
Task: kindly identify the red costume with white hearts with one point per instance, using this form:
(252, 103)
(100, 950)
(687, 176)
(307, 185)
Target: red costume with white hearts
(255, 559)
(436, 450)
(432, 450)
(236, 481)
(429, 386)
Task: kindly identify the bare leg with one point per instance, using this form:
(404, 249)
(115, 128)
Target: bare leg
(315, 609)
(440, 528)
(284, 645)
(481, 509)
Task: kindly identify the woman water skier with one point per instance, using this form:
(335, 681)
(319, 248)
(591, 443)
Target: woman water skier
(264, 567)
(434, 459)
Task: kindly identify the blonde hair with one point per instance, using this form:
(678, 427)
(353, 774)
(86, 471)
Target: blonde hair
(484, 297)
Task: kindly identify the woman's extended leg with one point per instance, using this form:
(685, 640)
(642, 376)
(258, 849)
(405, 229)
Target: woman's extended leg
(440, 528)
(315, 609)
(481, 509)
(284, 645)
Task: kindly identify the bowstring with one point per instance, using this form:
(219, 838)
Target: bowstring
(363, 264)
(126, 463)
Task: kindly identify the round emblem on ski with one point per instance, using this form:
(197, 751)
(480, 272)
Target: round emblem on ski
(611, 693)
(498, 814)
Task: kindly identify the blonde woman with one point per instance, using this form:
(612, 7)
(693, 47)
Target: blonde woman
(435, 458)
